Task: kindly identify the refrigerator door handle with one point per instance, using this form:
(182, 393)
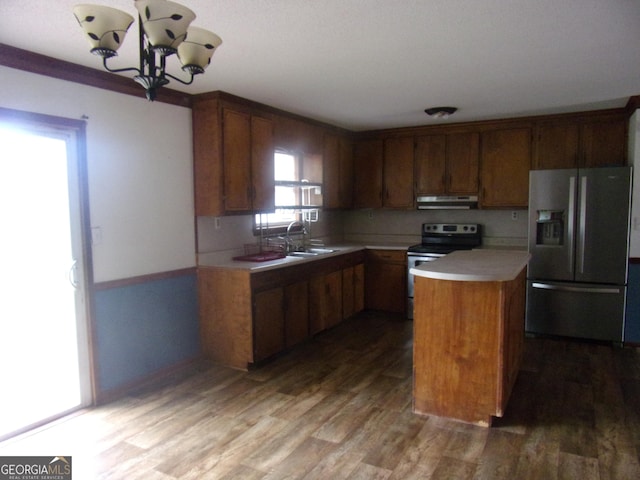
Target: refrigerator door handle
(582, 224)
(566, 288)
(571, 221)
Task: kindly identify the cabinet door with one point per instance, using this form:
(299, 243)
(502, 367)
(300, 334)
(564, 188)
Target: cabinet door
(262, 178)
(268, 323)
(352, 290)
(358, 287)
(398, 172)
(430, 164)
(331, 172)
(556, 146)
(604, 144)
(348, 293)
(463, 156)
(367, 174)
(345, 150)
(325, 301)
(386, 281)
(236, 151)
(207, 152)
(505, 162)
(296, 313)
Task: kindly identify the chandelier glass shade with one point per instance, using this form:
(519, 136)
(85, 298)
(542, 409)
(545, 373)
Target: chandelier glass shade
(164, 30)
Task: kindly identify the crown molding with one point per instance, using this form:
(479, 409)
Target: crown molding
(28, 61)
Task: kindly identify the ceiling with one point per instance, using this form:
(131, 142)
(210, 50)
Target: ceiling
(370, 64)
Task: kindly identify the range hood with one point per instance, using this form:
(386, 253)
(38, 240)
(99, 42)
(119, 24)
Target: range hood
(443, 202)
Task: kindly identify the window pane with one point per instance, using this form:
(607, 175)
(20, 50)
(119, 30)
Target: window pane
(285, 166)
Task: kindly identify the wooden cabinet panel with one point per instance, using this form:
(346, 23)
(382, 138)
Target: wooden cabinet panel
(358, 287)
(463, 158)
(296, 313)
(207, 155)
(580, 143)
(325, 301)
(345, 148)
(268, 323)
(513, 338)
(248, 162)
(331, 172)
(460, 365)
(262, 175)
(447, 164)
(348, 293)
(236, 150)
(367, 173)
(504, 171)
(337, 188)
(246, 317)
(556, 146)
(386, 281)
(430, 164)
(398, 172)
(225, 312)
(604, 143)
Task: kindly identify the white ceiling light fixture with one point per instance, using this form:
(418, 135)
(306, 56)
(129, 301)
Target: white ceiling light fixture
(164, 29)
(441, 112)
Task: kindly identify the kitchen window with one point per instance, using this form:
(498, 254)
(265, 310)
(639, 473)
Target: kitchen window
(298, 196)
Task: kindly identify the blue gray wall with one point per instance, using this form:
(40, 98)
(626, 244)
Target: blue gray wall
(142, 329)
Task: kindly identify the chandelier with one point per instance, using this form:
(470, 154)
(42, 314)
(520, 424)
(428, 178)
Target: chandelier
(163, 30)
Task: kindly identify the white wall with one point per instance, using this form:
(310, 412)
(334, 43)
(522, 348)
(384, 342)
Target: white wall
(140, 167)
(634, 159)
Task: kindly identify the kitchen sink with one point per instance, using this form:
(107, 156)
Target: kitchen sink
(312, 252)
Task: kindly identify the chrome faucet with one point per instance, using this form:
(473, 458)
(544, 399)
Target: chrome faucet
(290, 245)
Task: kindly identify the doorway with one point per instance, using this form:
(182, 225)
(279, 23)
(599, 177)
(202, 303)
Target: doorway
(44, 357)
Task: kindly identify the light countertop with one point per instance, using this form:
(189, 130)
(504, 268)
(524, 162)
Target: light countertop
(481, 265)
(226, 262)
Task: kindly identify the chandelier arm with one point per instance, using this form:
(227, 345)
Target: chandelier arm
(179, 80)
(117, 70)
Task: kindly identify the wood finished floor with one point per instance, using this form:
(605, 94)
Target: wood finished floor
(340, 407)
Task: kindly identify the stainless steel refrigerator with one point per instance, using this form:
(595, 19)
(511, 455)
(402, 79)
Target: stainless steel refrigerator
(579, 243)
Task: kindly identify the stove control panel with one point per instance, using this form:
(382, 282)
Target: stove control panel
(450, 228)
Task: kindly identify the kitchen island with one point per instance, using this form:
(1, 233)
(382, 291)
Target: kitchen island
(468, 333)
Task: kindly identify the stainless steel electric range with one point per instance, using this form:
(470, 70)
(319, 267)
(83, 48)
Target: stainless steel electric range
(438, 239)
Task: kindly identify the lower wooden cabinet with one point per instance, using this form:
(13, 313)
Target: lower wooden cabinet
(325, 301)
(468, 345)
(268, 323)
(246, 318)
(296, 313)
(352, 290)
(386, 280)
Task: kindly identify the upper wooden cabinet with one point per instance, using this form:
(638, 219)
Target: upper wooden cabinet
(337, 188)
(207, 157)
(247, 146)
(233, 158)
(504, 173)
(447, 164)
(367, 173)
(580, 143)
(398, 172)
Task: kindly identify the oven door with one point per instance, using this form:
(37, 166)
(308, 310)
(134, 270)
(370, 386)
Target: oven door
(415, 260)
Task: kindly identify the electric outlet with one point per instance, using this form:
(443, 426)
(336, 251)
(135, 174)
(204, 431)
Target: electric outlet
(216, 223)
(514, 215)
